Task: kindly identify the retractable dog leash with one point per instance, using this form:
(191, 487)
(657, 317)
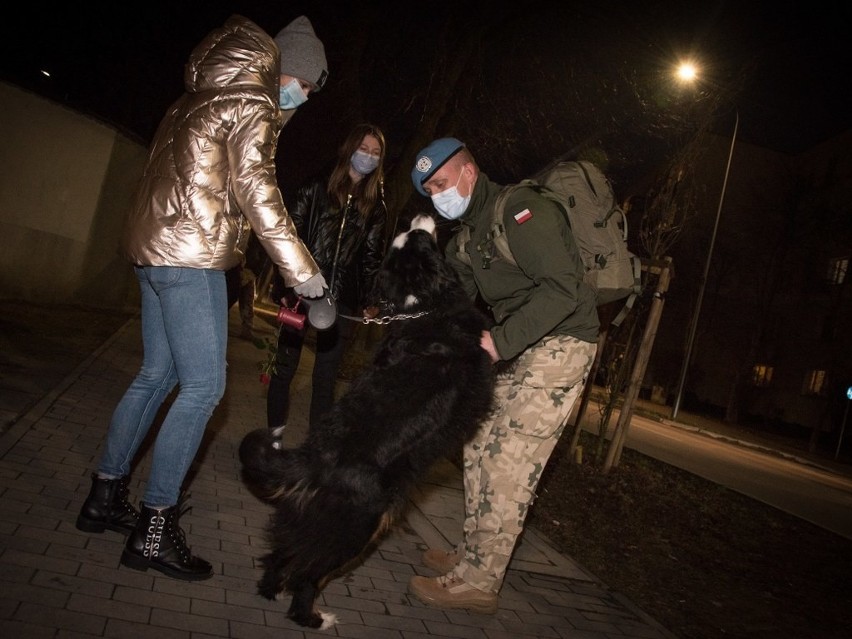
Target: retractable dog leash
(321, 313)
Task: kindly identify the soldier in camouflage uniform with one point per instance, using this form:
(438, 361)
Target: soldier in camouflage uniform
(545, 336)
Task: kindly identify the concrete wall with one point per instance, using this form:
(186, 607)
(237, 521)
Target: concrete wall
(65, 183)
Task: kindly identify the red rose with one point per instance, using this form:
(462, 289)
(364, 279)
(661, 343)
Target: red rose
(264, 379)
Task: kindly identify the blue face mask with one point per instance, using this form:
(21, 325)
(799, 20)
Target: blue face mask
(449, 203)
(364, 163)
(290, 96)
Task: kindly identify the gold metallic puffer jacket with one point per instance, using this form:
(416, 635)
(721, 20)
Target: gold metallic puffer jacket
(211, 167)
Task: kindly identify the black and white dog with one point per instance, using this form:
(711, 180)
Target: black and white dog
(426, 390)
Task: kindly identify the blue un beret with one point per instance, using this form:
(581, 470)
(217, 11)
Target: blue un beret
(432, 158)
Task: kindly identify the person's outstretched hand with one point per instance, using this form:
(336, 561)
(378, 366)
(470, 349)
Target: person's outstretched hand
(486, 341)
(312, 287)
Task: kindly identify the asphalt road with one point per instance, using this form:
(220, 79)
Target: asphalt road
(815, 493)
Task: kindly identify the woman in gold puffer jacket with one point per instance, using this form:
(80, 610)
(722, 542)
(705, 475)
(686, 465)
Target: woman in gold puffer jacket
(211, 167)
(210, 176)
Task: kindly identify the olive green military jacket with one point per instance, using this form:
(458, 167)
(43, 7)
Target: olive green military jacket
(545, 293)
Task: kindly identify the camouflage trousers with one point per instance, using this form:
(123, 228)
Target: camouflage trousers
(504, 460)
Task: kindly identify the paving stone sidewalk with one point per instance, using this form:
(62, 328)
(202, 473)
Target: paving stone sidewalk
(57, 582)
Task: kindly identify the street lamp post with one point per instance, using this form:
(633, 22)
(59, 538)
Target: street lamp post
(695, 315)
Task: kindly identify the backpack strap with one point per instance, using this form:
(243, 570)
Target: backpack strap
(497, 232)
(628, 305)
(615, 208)
(582, 167)
(462, 239)
(637, 289)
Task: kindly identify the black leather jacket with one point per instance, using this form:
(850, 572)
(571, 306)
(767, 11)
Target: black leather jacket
(362, 241)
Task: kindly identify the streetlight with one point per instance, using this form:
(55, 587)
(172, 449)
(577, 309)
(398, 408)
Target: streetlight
(688, 72)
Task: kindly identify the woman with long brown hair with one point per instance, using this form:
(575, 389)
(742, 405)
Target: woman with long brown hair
(341, 217)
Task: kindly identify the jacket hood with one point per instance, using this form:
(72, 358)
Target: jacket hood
(239, 54)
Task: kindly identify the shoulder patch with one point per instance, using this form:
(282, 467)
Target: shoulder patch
(523, 216)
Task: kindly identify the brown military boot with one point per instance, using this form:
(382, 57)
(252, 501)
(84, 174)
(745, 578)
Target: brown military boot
(448, 591)
(441, 561)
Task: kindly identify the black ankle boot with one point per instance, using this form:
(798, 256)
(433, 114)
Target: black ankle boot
(107, 507)
(158, 542)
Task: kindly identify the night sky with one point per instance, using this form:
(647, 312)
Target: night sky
(521, 83)
(126, 64)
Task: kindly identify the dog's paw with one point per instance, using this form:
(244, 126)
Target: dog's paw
(268, 591)
(313, 619)
(272, 596)
(328, 620)
(277, 436)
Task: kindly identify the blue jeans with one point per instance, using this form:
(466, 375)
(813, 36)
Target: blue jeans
(184, 337)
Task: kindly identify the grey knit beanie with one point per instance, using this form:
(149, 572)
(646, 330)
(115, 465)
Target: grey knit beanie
(302, 53)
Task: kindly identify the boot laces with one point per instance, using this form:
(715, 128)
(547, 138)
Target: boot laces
(123, 493)
(449, 580)
(177, 533)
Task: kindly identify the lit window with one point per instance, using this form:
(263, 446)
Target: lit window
(815, 383)
(761, 375)
(837, 270)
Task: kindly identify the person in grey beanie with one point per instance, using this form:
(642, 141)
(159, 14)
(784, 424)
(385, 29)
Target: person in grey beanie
(303, 65)
(209, 183)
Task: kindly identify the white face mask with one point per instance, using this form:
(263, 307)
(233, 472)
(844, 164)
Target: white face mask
(449, 203)
(364, 163)
(291, 95)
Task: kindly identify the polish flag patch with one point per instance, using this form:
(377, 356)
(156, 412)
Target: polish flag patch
(523, 216)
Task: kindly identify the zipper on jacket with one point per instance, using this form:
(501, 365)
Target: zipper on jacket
(339, 240)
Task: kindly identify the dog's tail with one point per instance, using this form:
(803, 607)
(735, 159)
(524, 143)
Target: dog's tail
(269, 470)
